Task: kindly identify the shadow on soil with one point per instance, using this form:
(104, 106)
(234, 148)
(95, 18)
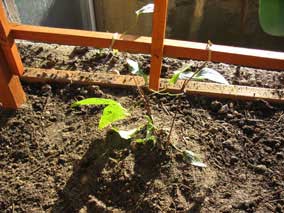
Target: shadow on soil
(110, 174)
(5, 115)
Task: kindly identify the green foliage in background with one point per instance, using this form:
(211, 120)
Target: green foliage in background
(271, 16)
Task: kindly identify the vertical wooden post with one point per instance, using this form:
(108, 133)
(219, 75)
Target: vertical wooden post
(8, 44)
(158, 36)
(11, 91)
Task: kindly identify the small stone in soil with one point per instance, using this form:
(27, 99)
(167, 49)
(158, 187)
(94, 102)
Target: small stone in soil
(46, 88)
(261, 169)
(234, 159)
(231, 144)
(248, 129)
(280, 155)
(61, 161)
(224, 109)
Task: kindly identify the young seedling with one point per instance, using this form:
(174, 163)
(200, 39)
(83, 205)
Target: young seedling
(149, 8)
(112, 112)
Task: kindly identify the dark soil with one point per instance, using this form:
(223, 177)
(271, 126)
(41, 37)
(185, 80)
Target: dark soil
(90, 59)
(54, 159)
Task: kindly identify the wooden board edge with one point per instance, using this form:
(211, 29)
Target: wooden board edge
(35, 75)
(263, 59)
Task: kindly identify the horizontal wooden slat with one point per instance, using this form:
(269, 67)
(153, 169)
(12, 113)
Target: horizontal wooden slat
(226, 54)
(81, 38)
(112, 80)
(172, 48)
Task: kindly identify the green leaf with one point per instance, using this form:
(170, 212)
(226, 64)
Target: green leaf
(149, 8)
(134, 66)
(177, 74)
(271, 16)
(204, 74)
(126, 134)
(149, 132)
(94, 101)
(112, 113)
(211, 75)
(174, 78)
(192, 158)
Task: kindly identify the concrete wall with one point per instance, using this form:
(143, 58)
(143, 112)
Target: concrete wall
(119, 16)
(54, 13)
(229, 22)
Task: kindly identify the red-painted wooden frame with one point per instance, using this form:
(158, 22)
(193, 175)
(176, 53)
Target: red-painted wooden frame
(11, 93)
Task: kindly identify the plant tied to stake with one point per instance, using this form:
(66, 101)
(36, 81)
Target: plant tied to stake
(114, 111)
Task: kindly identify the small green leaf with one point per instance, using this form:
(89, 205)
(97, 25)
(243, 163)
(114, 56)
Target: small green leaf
(126, 134)
(133, 66)
(174, 78)
(203, 74)
(149, 132)
(177, 74)
(149, 8)
(112, 113)
(192, 158)
(140, 140)
(211, 75)
(94, 101)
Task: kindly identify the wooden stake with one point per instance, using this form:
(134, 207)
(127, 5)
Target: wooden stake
(8, 44)
(11, 92)
(158, 36)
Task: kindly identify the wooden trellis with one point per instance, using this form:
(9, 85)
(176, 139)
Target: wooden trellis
(11, 67)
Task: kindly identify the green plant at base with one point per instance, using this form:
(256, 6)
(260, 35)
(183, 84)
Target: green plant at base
(112, 112)
(150, 128)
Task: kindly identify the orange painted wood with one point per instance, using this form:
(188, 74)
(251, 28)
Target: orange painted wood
(158, 36)
(129, 43)
(36, 75)
(172, 48)
(8, 44)
(11, 92)
(225, 54)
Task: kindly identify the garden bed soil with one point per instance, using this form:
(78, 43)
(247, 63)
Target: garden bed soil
(101, 60)
(53, 158)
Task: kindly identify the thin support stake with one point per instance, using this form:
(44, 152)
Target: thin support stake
(158, 36)
(8, 44)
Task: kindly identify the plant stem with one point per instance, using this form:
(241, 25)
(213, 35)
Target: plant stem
(182, 91)
(144, 99)
(171, 129)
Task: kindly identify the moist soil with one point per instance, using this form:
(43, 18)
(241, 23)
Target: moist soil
(53, 158)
